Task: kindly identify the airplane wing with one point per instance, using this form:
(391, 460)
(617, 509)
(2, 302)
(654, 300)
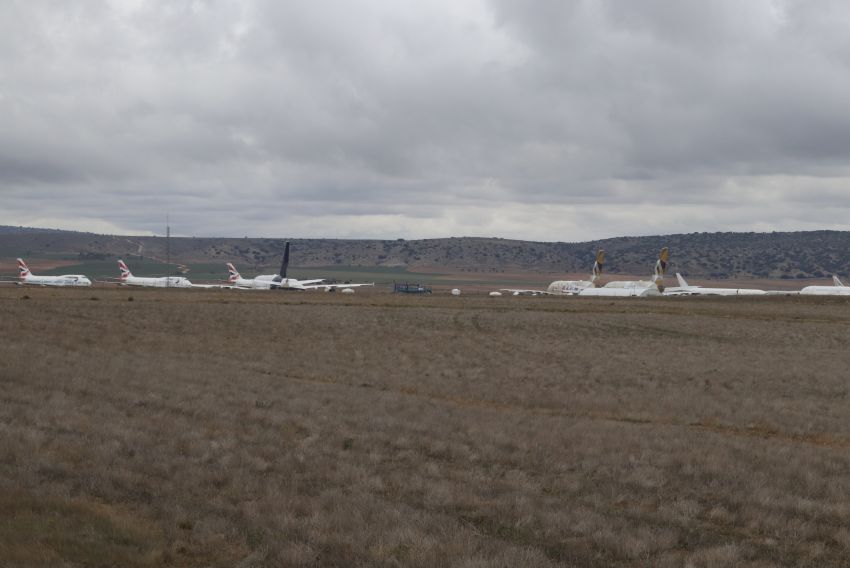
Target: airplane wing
(678, 291)
(292, 284)
(329, 287)
(523, 292)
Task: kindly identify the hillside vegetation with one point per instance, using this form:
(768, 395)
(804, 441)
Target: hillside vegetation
(813, 254)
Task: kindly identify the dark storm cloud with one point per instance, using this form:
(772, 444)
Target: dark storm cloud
(552, 120)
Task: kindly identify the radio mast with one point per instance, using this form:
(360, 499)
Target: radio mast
(168, 249)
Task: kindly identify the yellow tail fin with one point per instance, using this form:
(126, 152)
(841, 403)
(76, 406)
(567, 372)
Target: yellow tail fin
(661, 266)
(597, 266)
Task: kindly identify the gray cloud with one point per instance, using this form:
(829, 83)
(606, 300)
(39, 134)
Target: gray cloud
(554, 120)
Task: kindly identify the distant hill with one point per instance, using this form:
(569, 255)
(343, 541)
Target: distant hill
(8, 230)
(811, 254)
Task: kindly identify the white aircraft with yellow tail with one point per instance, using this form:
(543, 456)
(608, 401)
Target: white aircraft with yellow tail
(634, 288)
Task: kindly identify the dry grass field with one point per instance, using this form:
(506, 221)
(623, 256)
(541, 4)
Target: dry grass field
(193, 428)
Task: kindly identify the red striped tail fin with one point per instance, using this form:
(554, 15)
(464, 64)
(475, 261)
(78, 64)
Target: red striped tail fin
(234, 274)
(125, 272)
(23, 269)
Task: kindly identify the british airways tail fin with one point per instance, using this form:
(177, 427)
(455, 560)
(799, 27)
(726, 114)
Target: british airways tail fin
(125, 272)
(23, 269)
(234, 274)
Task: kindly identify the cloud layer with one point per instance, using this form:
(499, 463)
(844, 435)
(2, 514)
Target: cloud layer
(552, 120)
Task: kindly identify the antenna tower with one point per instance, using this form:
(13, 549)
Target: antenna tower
(168, 250)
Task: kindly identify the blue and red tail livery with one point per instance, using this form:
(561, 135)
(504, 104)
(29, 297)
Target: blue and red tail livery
(23, 269)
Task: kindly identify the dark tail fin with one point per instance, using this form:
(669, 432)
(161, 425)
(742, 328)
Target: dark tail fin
(285, 265)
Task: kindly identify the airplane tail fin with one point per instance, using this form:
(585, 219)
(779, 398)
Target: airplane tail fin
(661, 265)
(682, 282)
(285, 264)
(837, 282)
(23, 269)
(125, 272)
(597, 266)
(234, 274)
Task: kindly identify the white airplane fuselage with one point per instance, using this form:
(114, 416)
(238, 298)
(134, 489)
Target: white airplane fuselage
(568, 287)
(825, 291)
(685, 289)
(621, 291)
(64, 280)
(162, 282)
(700, 291)
(630, 284)
(731, 292)
(250, 283)
(267, 282)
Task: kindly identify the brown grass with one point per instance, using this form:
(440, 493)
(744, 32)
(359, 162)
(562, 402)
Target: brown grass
(192, 428)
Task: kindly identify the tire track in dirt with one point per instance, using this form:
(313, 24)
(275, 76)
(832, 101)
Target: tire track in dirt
(140, 247)
(590, 310)
(707, 426)
(555, 552)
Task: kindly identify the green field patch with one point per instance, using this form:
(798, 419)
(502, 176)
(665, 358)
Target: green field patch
(205, 271)
(378, 274)
(95, 269)
(216, 272)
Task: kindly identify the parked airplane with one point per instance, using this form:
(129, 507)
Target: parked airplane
(629, 288)
(265, 281)
(127, 279)
(27, 277)
(564, 287)
(837, 289)
(685, 289)
(522, 292)
(573, 287)
(280, 281)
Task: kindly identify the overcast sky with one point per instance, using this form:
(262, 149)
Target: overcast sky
(545, 120)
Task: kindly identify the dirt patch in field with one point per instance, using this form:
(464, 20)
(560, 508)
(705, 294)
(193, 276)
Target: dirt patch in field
(213, 428)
